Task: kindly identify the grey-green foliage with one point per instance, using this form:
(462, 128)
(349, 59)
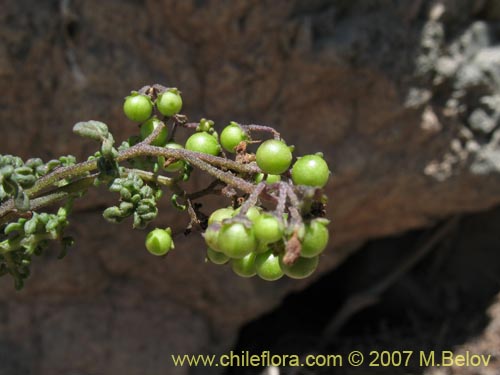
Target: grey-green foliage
(17, 175)
(30, 236)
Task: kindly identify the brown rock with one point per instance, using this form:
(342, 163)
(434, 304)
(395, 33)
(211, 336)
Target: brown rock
(356, 80)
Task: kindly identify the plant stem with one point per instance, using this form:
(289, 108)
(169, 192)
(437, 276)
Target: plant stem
(8, 210)
(217, 167)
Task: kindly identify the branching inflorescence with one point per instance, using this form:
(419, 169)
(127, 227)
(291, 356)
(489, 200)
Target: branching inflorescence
(274, 224)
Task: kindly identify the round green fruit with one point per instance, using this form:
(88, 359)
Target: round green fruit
(315, 239)
(270, 179)
(253, 213)
(159, 241)
(176, 165)
(232, 136)
(267, 266)
(302, 268)
(211, 236)
(148, 128)
(220, 214)
(216, 257)
(273, 156)
(310, 170)
(244, 267)
(138, 107)
(169, 103)
(204, 143)
(268, 228)
(236, 241)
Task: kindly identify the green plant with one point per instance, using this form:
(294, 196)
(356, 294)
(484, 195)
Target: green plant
(36, 197)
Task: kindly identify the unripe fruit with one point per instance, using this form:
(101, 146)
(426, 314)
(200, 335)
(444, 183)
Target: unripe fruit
(169, 103)
(232, 136)
(273, 156)
(148, 128)
(244, 267)
(236, 241)
(268, 266)
(204, 143)
(270, 179)
(159, 241)
(216, 257)
(302, 268)
(176, 165)
(268, 229)
(220, 214)
(310, 170)
(315, 239)
(138, 107)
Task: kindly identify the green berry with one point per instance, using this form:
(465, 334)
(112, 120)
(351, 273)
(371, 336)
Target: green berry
(169, 103)
(244, 267)
(236, 241)
(273, 156)
(149, 126)
(159, 241)
(138, 107)
(232, 136)
(270, 179)
(220, 214)
(211, 236)
(216, 257)
(204, 143)
(176, 165)
(310, 170)
(302, 268)
(268, 266)
(268, 228)
(253, 213)
(315, 239)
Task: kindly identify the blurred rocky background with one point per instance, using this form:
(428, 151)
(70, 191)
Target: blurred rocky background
(403, 98)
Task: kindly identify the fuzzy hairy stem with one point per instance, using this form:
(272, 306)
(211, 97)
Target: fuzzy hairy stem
(8, 210)
(208, 163)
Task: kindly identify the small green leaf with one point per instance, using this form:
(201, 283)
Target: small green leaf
(173, 199)
(14, 227)
(95, 130)
(107, 149)
(112, 214)
(31, 225)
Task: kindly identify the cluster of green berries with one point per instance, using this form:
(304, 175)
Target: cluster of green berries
(139, 107)
(274, 227)
(274, 157)
(254, 243)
